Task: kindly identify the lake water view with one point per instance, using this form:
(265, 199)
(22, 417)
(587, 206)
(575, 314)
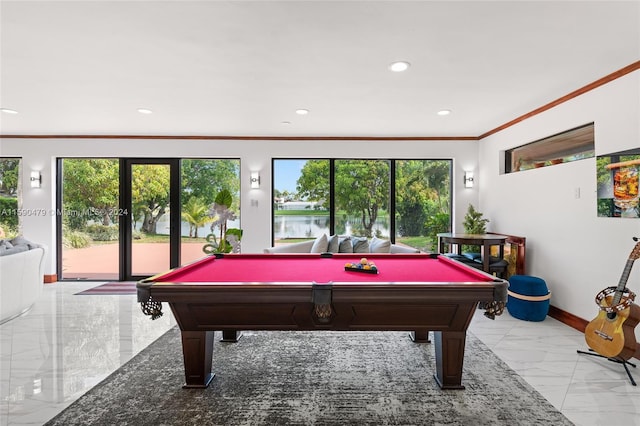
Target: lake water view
(162, 227)
(284, 227)
(309, 226)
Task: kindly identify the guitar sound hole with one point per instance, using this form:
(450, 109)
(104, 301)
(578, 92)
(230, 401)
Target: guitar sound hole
(611, 315)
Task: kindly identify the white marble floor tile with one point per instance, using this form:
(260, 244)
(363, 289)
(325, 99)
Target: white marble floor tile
(67, 344)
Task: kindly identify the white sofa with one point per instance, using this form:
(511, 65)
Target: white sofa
(342, 244)
(21, 276)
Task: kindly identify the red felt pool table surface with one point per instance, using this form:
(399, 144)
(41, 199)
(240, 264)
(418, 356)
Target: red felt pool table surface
(290, 268)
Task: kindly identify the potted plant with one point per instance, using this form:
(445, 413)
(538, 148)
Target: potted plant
(474, 223)
(228, 239)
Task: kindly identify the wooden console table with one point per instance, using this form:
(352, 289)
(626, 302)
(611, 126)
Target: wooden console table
(484, 241)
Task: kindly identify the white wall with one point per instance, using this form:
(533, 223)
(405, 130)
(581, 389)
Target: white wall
(41, 154)
(574, 251)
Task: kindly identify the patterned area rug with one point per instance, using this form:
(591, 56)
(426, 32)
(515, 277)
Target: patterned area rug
(112, 288)
(312, 378)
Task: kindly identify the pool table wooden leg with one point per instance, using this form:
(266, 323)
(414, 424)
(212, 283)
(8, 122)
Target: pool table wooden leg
(420, 336)
(197, 349)
(449, 348)
(231, 335)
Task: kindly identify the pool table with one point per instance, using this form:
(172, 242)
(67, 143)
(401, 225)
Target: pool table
(413, 292)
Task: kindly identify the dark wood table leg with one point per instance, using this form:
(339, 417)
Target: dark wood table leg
(420, 336)
(486, 256)
(197, 349)
(449, 348)
(231, 335)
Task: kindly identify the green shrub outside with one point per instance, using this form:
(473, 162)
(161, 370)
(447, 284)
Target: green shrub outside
(435, 224)
(99, 232)
(10, 231)
(8, 212)
(76, 239)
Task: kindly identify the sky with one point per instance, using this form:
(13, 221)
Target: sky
(286, 173)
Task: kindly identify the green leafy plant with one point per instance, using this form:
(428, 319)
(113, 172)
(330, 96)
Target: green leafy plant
(474, 223)
(228, 239)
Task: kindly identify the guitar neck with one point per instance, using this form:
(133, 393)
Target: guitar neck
(623, 282)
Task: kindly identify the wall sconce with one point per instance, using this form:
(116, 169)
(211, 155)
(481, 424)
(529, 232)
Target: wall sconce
(36, 179)
(255, 180)
(468, 179)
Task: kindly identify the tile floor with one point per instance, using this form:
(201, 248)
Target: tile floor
(67, 344)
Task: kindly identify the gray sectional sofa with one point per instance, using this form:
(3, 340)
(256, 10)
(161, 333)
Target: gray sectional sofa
(21, 276)
(342, 244)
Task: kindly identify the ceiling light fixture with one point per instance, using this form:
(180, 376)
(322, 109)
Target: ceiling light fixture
(145, 111)
(444, 112)
(399, 66)
(302, 111)
(8, 111)
(285, 123)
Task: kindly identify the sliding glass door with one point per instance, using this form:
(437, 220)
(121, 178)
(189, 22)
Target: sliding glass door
(151, 214)
(126, 219)
(88, 219)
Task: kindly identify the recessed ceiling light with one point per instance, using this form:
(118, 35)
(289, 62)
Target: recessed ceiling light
(8, 111)
(302, 111)
(399, 66)
(444, 112)
(145, 111)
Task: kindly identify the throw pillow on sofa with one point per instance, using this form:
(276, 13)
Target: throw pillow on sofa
(334, 244)
(320, 244)
(360, 244)
(20, 240)
(345, 245)
(378, 245)
(14, 246)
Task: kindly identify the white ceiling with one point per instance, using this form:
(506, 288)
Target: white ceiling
(243, 67)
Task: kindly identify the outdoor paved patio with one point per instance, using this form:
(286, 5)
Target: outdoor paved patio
(100, 262)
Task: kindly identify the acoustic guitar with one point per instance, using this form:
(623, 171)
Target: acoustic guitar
(611, 333)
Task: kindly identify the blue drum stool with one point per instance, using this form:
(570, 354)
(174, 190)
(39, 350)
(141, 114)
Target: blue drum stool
(528, 298)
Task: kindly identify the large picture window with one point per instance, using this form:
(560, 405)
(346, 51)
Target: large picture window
(10, 193)
(405, 201)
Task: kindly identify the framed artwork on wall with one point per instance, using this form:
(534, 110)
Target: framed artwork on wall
(618, 181)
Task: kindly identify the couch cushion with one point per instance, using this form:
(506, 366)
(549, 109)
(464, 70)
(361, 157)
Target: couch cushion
(360, 244)
(13, 250)
(345, 245)
(300, 247)
(395, 248)
(333, 245)
(320, 244)
(378, 245)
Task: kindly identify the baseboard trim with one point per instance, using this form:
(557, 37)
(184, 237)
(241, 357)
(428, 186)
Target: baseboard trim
(567, 318)
(50, 279)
